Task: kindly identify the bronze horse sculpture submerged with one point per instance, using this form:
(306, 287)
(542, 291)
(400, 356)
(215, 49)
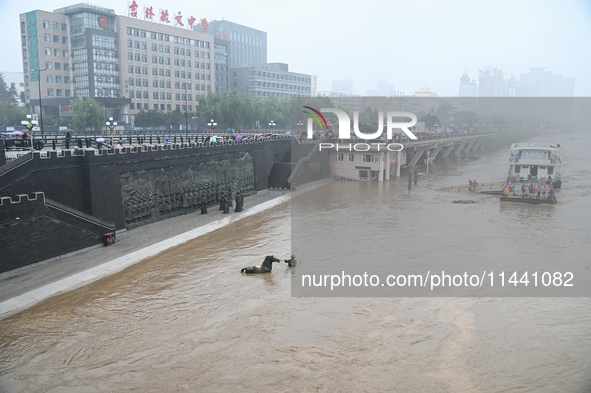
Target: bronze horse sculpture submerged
(265, 267)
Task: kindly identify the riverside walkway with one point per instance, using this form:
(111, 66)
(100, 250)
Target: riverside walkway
(23, 288)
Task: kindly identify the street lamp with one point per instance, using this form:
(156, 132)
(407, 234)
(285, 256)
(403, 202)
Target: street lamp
(40, 107)
(300, 123)
(111, 124)
(212, 125)
(186, 113)
(272, 125)
(30, 124)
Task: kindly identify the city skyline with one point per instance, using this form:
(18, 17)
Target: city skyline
(523, 36)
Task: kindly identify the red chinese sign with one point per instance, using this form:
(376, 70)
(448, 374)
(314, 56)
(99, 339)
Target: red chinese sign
(164, 16)
(149, 13)
(204, 25)
(179, 19)
(191, 21)
(133, 9)
(221, 35)
(102, 21)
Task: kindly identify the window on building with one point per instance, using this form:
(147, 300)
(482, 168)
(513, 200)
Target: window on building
(154, 71)
(48, 65)
(153, 35)
(155, 96)
(340, 156)
(56, 52)
(161, 72)
(168, 84)
(146, 96)
(47, 37)
(49, 78)
(67, 92)
(177, 85)
(46, 24)
(58, 92)
(66, 53)
(145, 83)
(351, 157)
(58, 79)
(65, 40)
(64, 27)
(138, 70)
(144, 46)
(167, 49)
(368, 158)
(67, 79)
(146, 105)
(66, 67)
(56, 39)
(50, 92)
(167, 61)
(176, 62)
(137, 57)
(132, 106)
(168, 73)
(129, 56)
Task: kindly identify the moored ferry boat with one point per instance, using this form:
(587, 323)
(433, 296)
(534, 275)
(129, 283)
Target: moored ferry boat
(535, 163)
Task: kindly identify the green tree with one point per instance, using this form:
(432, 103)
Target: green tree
(430, 120)
(88, 114)
(10, 112)
(151, 118)
(468, 118)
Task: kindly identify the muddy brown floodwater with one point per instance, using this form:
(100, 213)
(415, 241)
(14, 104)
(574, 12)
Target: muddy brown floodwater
(186, 320)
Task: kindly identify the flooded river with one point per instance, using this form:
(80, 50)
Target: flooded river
(186, 320)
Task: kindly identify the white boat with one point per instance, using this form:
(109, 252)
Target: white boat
(535, 163)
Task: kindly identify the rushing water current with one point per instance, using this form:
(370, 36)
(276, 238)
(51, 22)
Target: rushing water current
(187, 320)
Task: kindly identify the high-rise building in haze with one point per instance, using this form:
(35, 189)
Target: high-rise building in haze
(468, 86)
(539, 82)
(344, 86)
(491, 83)
(248, 46)
(384, 89)
(127, 63)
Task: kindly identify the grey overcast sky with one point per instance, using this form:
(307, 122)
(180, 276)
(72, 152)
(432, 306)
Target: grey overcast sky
(411, 44)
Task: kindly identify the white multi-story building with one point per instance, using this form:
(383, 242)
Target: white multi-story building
(468, 86)
(491, 83)
(127, 63)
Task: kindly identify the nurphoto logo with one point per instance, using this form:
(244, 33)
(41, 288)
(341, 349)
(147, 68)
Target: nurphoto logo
(393, 121)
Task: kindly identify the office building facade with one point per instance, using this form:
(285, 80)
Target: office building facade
(247, 46)
(271, 80)
(125, 63)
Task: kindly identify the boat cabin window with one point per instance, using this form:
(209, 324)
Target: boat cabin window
(534, 155)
